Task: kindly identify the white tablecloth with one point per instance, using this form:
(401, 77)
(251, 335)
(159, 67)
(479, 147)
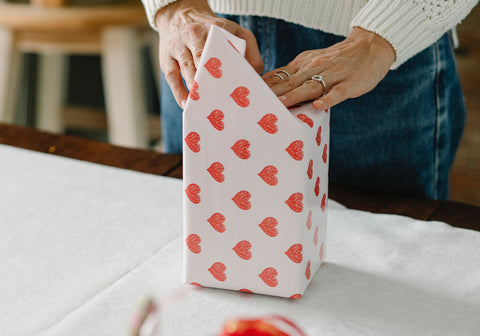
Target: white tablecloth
(82, 245)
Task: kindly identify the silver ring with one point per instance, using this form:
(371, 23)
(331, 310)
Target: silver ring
(280, 76)
(284, 72)
(319, 78)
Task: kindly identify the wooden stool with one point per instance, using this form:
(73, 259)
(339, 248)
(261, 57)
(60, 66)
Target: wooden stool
(115, 32)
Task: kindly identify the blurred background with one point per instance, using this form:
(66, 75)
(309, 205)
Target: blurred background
(94, 62)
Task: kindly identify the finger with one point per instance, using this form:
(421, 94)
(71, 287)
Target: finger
(196, 36)
(309, 90)
(187, 67)
(174, 80)
(252, 53)
(277, 76)
(336, 95)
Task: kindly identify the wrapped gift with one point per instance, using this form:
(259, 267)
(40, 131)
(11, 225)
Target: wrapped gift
(255, 179)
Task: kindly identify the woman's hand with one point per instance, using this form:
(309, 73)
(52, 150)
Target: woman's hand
(183, 27)
(349, 69)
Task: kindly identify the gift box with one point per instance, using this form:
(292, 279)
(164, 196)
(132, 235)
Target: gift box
(255, 179)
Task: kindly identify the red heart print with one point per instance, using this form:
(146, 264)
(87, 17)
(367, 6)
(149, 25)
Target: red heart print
(309, 220)
(193, 141)
(242, 249)
(213, 67)
(245, 290)
(269, 226)
(315, 236)
(295, 149)
(295, 202)
(307, 271)
(269, 175)
(217, 221)
(193, 243)
(218, 271)
(321, 252)
(326, 111)
(194, 95)
(310, 170)
(319, 136)
(317, 186)
(295, 253)
(242, 200)
(324, 201)
(216, 119)
(193, 193)
(306, 119)
(296, 296)
(216, 171)
(324, 156)
(240, 96)
(269, 276)
(196, 284)
(241, 149)
(269, 123)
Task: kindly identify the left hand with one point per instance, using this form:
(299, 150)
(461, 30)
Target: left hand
(349, 68)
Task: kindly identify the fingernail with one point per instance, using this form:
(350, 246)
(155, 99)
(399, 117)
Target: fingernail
(282, 98)
(183, 103)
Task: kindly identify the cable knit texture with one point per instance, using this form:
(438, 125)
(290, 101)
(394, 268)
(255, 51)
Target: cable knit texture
(409, 25)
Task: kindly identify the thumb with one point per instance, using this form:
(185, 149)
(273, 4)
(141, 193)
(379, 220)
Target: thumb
(252, 53)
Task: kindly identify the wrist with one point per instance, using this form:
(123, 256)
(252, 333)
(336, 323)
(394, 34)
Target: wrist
(180, 7)
(379, 46)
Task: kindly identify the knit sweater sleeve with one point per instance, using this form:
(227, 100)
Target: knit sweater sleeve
(411, 25)
(152, 7)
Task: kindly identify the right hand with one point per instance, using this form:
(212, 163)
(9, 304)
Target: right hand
(183, 27)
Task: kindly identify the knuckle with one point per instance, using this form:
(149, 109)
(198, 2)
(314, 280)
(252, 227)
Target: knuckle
(197, 54)
(340, 90)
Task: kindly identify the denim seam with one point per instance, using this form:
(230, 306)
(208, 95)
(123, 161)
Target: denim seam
(436, 159)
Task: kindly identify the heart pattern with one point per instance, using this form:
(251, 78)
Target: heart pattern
(309, 220)
(269, 226)
(241, 149)
(240, 96)
(269, 175)
(243, 156)
(193, 141)
(193, 193)
(216, 170)
(269, 123)
(294, 202)
(217, 221)
(308, 271)
(218, 271)
(193, 243)
(306, 119)
(318, 138)
(242, 200)
(242, 249)
(295, 253)
(269, 276)
(213, 66)
(194, 95)
(310, 170)
(295, 149)
(216, 119)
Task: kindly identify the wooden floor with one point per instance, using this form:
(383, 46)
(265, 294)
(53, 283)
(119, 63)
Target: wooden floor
(465, 174)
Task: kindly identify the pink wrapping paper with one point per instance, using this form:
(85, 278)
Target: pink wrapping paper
(255, 179)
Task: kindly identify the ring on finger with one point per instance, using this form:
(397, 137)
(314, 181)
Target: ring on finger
(284, 72)
(319, 78)
(279, 76)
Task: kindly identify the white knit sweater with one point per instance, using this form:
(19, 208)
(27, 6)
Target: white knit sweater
(409, 25)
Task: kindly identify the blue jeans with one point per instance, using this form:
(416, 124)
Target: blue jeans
(401, 137)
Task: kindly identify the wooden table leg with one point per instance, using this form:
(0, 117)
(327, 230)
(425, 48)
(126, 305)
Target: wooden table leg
(51, 89)
(10, 63)
(124, 87)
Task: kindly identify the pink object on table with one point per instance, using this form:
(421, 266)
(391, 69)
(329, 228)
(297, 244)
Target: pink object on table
(255, 179)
